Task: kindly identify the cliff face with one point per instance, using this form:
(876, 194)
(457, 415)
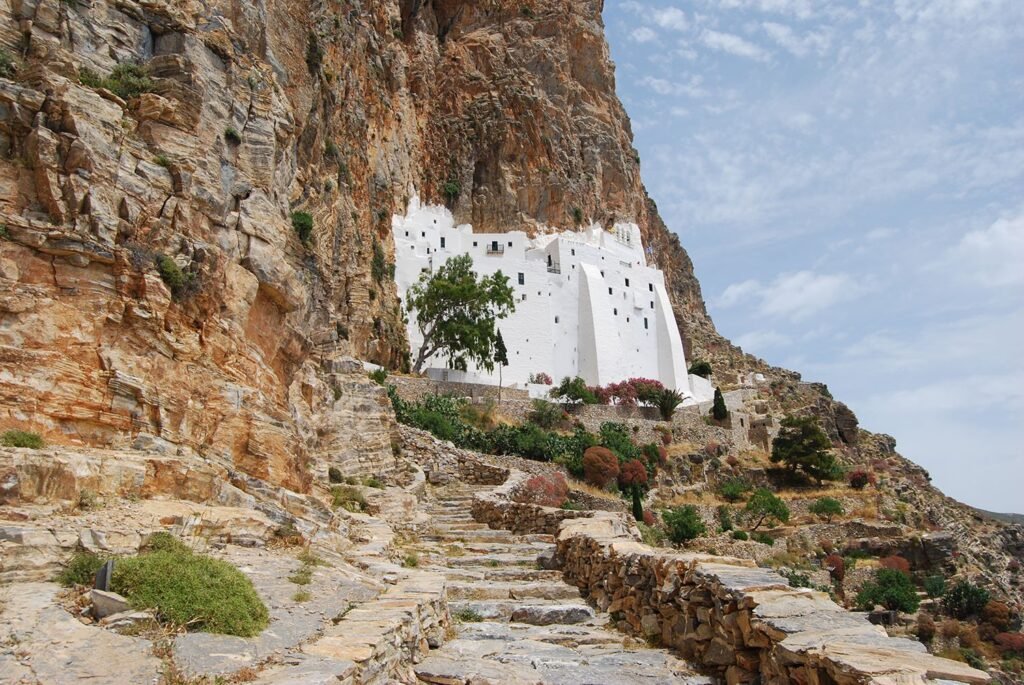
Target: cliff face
(506, 111)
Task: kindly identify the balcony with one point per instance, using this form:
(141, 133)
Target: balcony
(554, 269)
(495, 248)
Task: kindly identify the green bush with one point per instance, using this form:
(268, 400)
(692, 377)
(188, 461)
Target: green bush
(378, 264)
(667, 401)
(8, 67)
(801, 444)
(302, 222)
(827, 507)
(81, 569)
(734, 489)
(348, 497)
(20, 438)
(577, 215)
(740, 535)
(890, 588)
(177, 281)
(334, 475)
(574, 390)
(379, 376)
(452, 188)
(724, 518)
(764, 506)
(651, 535)
(684, 523)
(190, 589)
(232, 135)
(127, 80)
(795, 578)
(619, 439)
(965, 599)
(545, 414)
(935, 586)
(719, 412)
(763, 538)
(700, 368)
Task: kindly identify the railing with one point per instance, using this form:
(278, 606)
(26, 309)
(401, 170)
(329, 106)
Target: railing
(554, 269)
(495, 249)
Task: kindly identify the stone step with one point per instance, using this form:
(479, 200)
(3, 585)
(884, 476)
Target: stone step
(535, 613)
(485, 561)
(486, 589)
(509, 547)
(574, 635)
(514, 573)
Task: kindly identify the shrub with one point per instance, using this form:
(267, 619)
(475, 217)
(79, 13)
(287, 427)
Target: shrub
(378, 264)
(892, 589)
(827, 507)
(127, 80)
(724, 514)
(997, 614)
(734, 489)
(81, 569)
(700, 368)
(334, 475)
(684, 523)
(667, 402)
(452, 189)
(935, 586)
(896, 563)
(860, 478)
(177, 281)
(965, 599)
(8, 67)
(600, 466)
(302, 222)
(540, 378)
(1011, 642)
(574, 390)
(411, 560)
(232, 136)
(191, 590)
(617, 438)
(348, 497)
(314, 53)
(632, 474)
(835, 566)
(926, 628)
(544, 414)
(577, 215)
(795, 578)
(764, 505)
(649, 518)
(802, 445)
(20, 438)
(740, 535)
(763, 538)
(163, 160)
(379, 376)
(719, 412)
(549, 490)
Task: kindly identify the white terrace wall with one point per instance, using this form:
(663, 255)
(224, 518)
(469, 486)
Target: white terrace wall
(587, 304)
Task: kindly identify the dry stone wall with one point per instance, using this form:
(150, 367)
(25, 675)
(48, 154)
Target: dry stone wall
(742, 623)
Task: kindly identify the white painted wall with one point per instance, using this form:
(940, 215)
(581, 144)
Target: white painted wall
(587, 304)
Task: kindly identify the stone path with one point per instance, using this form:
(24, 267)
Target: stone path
(519, 624)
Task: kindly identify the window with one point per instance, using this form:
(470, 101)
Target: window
(556, 319)
(652, 304)
(428, 250)
(609, 291)
(615, 312)
(602, 273)
(524, 297)
(522, 279)
(474, 243)
(650, 286)
(645, 323)
(423, 234)
(510, 243)
(573, 250)
(407, 234)
(442, 242)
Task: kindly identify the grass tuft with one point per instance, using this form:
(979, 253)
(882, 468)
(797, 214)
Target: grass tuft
(19, 438)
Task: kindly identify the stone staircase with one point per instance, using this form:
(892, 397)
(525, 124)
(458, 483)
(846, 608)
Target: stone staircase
(518, 623)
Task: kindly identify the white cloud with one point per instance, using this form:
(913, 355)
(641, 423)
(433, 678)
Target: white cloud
(691, 88)
(643, 35)
(670, 18)
(733, 44)
(994, 256)
(800, 46)
(793, 296)
(756, 342)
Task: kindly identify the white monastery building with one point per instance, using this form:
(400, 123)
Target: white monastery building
(587, 304)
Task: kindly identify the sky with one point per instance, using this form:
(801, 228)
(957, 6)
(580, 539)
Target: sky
(848, 177)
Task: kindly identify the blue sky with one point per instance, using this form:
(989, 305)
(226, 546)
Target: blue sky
(849, 180)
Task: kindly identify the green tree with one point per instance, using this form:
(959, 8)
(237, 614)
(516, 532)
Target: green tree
(684, 523)
(456, 313)
(827, 507)
(892, 589)
(500, 358)
(667, 400)
(701, 368)
(801, 444)
(764, 505)
(718, 410)
(574, 390)
(965, 599)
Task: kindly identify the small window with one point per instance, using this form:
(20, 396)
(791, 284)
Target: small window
(652, 304)
(627, 319)
(602, 274)
(524, 297)
(627, 280)
(556, 319)
(510, 243)
(522, 279)
(645, 323)
(539, 293)
(573, 250)
(474, 243)
(609, 291)
(442, 242)
(407, 234)
(423, 234)
(615, 312)
(428, 250)
(650, 286)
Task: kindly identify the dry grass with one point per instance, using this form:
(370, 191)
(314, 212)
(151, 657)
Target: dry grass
(580, 486)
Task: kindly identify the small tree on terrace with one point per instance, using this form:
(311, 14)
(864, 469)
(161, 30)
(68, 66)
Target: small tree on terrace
(764, 505)
(633, 477)
(718, 410)
(801, 444)
(826, 508)
(500, 358)
(456, 313)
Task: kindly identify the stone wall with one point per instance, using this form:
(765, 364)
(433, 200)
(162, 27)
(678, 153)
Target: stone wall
(411, 388)
(740, 622)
